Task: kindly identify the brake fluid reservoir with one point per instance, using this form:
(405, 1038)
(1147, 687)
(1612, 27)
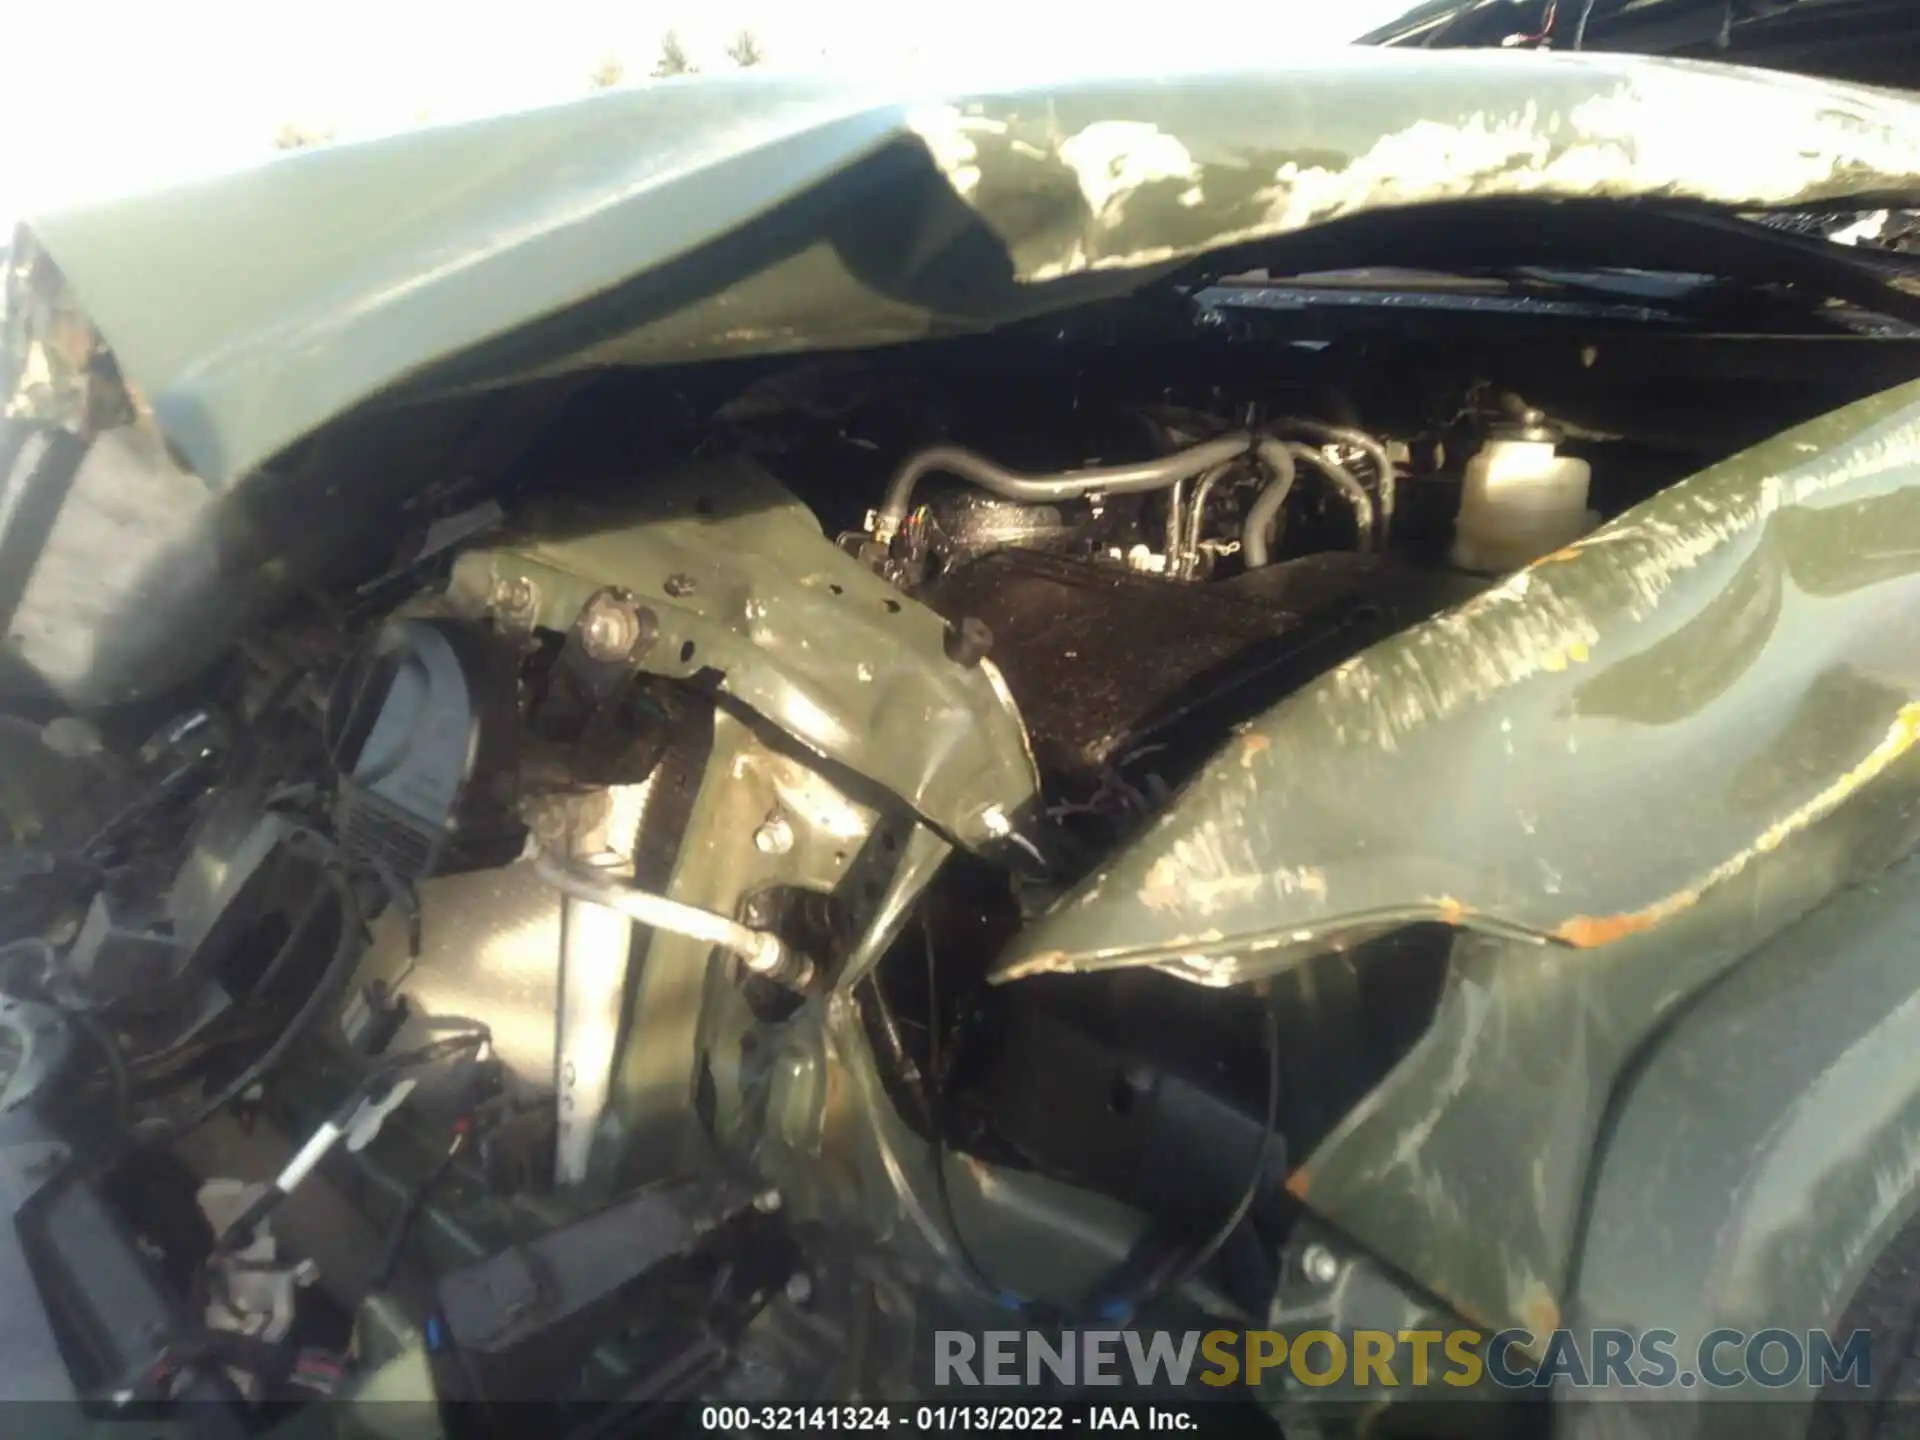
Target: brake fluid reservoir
(1519, 500)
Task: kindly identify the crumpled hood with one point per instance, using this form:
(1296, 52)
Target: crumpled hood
(760, 215)
(1871, 41)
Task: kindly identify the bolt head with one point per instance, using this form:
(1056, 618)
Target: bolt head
(775, 836)
(1320, 1265)
(799, 1288)
(680, 586)
(515, 596)
(608, 629)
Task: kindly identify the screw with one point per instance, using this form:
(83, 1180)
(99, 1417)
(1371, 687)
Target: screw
(799, 1288)
(679, 586)
(968, 642)
(775, 835)
(515, 596)
(608, 629)
(1319, 1265)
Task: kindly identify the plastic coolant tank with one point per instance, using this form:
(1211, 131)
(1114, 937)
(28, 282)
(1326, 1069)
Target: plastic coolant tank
(1519, 500)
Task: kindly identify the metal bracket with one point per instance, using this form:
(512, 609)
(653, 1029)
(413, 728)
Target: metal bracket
(744, 589)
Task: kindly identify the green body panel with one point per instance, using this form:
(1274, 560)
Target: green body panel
(1618, 773)
(1763, 1155)
(1579, 755)
(653, 1128)
(779, 213)
(742, 584)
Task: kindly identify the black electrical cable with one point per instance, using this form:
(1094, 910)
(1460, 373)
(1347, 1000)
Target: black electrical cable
(267, 982)
(938, 1067)
(170, 787)
(370, 1086)
(410, 1209)
(478, 1037)
(346, 955)
(1160, 1281)
(1203, 1254)
(89, 1025)
(267, 1360)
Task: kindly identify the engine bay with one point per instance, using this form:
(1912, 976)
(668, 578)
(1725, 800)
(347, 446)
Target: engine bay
(551, 959)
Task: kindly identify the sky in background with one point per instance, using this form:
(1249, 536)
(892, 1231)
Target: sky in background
(107, 98)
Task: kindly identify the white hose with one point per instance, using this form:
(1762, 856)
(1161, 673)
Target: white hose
(762, 952)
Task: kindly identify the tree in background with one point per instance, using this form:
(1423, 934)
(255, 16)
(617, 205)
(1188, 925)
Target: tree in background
(607, 74)
(744, 50)
(673, 57)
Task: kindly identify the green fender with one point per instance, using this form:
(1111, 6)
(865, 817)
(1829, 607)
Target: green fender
(1760, 1158)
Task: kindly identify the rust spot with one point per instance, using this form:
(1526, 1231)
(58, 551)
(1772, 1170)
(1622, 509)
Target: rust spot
(1588, 931)
(1298, 1183)
(1539, 1313)
(1450, 911)
(1251, 747)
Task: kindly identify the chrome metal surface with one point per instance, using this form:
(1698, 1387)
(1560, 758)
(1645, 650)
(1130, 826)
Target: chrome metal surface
(1319, 1265)
(761, 951)
(775, 835)
(608, 629)
(596, 947)
(1159, 473)
(490, 951)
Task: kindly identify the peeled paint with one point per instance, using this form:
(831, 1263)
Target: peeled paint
(779, 214)
(1576, 755)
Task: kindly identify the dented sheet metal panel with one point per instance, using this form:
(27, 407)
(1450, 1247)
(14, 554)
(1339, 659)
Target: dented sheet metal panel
(1466, 1167)
(1760, 1160)
(738, 583)
(1618, 773)
(1578, 755)
(778, 213)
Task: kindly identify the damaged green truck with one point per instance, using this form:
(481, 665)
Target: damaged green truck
(657, 748)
